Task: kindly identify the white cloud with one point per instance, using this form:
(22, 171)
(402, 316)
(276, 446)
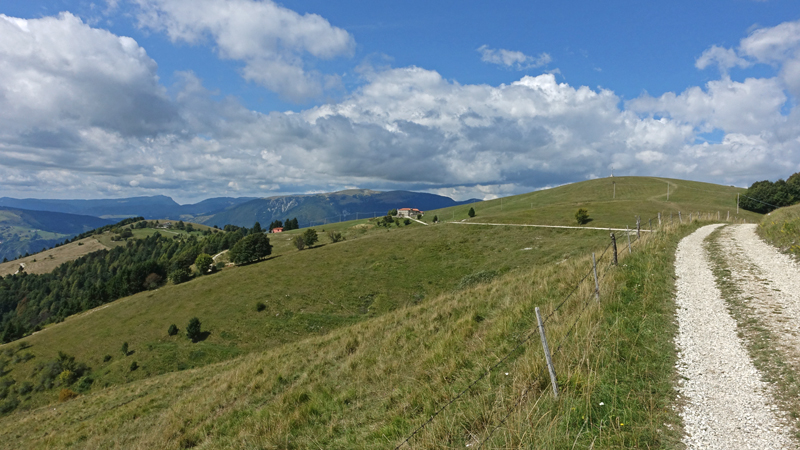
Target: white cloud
(270, 39)
(724, 58)
(83, 114)
(513, 59)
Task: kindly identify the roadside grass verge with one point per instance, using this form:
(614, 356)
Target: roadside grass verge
(368, 385)
(781, 228)
(762, 344)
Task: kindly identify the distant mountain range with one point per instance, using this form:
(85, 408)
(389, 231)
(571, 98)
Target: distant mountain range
(27, 225)
(24, 231)
(315, 209)
(155, 207)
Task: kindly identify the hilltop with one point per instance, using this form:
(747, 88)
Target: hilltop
(360, 340)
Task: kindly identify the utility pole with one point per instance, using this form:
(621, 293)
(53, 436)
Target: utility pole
(615, 187)
(667, 191)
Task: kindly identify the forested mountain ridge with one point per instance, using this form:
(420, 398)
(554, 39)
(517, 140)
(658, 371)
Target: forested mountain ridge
(317, 209)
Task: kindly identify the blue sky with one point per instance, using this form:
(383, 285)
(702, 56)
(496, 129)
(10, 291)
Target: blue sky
(467, 99)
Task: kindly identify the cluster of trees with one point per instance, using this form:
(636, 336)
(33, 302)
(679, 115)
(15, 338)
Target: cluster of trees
(307, 239)
(29, 301)
(289, 224)
(765, 196)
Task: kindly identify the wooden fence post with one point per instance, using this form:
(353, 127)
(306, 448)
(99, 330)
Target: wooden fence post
(638, 227)
(680, 217)
(651, 224)
(628, 233)
(614, 247)
(729, 216)
(659, 219)
(547, 356)
(596, 281)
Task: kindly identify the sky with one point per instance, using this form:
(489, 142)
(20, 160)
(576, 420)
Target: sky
(207, 98)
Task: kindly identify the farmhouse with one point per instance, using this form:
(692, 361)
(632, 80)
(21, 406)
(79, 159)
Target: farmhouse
(277, 230)
(409, 212)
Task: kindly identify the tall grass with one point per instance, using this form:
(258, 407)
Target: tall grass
(781, 228)
(370, 384)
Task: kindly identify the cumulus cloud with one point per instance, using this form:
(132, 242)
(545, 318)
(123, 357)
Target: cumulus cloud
(270, 39)
(405, 127)
(512, 59)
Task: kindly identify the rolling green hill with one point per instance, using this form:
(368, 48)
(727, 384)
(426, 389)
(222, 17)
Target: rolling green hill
(23, 231)
(360, 341)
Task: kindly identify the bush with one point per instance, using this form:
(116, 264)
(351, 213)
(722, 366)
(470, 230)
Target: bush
(471, 212)
(134, 366)
(107, 358)
(66, 394)
(310, 237)
(582, 216)
(407, 221)
(204, 263)
(260, 306)
(173, 330)
(299, 242)
(193, 329)
(25, 388)
(8, 405)
(180, 275)
(84, 384)
(335, 236)
(435, 219)
(124, 348)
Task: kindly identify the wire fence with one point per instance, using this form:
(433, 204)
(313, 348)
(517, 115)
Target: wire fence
(605, 270)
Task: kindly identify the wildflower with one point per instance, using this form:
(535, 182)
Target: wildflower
(601, 403)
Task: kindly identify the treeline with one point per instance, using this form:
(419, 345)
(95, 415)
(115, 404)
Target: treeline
(765, 196)
(289, 224)
(28, 301)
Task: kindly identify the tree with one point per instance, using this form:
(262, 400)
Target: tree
(189, 228)
(173, 330)
(251, 248)
(299, 242)
(204, 262)
(392, 212)
(193, 329)
(125, 348)
(407, 221)
(180, 274)
(310, 237)
(471, 212)
(257, 228)
(435, 219)
(134, 366)
(582, 216)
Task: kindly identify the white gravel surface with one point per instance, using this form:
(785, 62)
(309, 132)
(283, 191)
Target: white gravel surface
(726, 405)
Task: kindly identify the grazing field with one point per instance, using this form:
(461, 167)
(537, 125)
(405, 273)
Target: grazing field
(46, 261)
(354, 344)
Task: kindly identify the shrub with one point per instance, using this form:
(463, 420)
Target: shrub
(66, 394)
(107, 358)
(8, 405)
(582, 216)
(173, 330)
(180, 275)
(84, 384)
(407, 221)
(152, 281)
(204, 263)
(299, 242)
(124, 348)
(260, 306)
(477, 278)
(471, 212)
(435, 219)
(193, 329)
(25, 388)
(134, 366)
(335, 236)
(310, 237)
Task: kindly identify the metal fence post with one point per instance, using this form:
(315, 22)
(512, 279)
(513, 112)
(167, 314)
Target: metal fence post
(547, 356)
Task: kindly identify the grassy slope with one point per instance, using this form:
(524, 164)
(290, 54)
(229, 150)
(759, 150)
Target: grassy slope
(329, 287)
(781, 228)
(642, 196)
(48, 260)
(369, 385)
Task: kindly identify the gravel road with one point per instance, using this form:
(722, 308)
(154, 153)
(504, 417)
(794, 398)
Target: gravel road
(725, 403)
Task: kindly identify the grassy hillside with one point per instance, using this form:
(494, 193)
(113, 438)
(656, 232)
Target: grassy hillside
(48, 260)
(23, 231)
(781, 228)
(359, 341)
(644, 196)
